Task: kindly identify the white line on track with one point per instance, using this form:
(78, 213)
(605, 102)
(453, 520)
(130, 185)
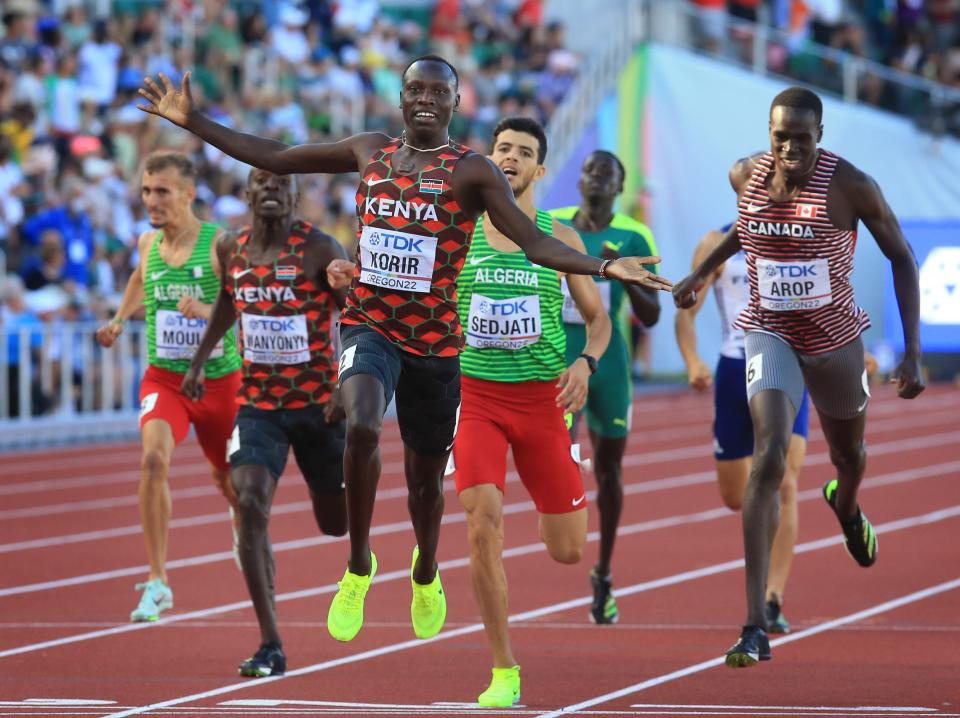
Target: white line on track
(699, 424)
(460, 517)
(629, 460)
(675, 579)
(791, 638)
(555, 608)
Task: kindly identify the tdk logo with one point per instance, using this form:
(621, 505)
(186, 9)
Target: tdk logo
(272, 324)
(508, 308)
(397, 242)
(792, 271)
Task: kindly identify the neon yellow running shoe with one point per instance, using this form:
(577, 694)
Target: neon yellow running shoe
(428, 610)
(345, 618)
(504, 690)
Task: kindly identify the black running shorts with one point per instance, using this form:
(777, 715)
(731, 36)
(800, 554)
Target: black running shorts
(427, 388)
(263, 437)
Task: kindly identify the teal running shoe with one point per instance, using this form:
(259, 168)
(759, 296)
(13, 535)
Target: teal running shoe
(157, 597)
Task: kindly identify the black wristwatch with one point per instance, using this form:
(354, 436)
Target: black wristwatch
(591, 362)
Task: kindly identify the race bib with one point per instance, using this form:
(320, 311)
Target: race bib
(571, 315)
(503, 323)
(179, 337)
(794, 286)
(275, 340)
(397, 260)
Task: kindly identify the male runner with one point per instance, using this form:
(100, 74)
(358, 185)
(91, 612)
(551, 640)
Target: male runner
(799, 207)
(176, 280)
(517, 390)
(610, 235)
(732, 427)
(275, 280)
(417, 202)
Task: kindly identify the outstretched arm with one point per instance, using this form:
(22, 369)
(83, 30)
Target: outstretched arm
(481, 187)
(872, 208)
(176, 105)
(685, 293)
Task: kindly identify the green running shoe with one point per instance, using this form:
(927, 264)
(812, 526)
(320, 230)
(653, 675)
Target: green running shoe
(157, 597)
(428, 609)
(859, 538)
(345, 617)
(603, 610)
(504, 689)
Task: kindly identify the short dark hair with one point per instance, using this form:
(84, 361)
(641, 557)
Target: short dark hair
(434, 58)
(800, 98)
(528, 126)
(611, 156)
(161, 160)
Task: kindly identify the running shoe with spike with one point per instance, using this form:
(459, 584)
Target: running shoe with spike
(504, 689)
(345, 617)
(428, 609)
(269, 660)
(752, 646)
(157, 597)
(603, 610)
(859, 538)
(776, 621)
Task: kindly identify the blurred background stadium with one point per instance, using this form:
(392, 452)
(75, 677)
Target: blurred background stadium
(678, 89)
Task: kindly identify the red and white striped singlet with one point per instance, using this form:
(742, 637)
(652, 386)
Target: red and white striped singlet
(799, 264)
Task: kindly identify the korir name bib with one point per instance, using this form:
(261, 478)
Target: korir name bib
(571, 315)
(179, 337)
(793, 286)
(397, 260)
(275, 340)
(503, 323)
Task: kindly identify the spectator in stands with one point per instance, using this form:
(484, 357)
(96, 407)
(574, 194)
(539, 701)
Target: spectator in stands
(17, 323)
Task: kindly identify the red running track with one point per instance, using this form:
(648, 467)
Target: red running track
(884, 641)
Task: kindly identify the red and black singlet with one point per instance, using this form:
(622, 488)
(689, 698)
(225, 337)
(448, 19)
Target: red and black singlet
(285, 319)
(414, 239)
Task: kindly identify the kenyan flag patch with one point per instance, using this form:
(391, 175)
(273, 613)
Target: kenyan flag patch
(286, 271)
(431, 186)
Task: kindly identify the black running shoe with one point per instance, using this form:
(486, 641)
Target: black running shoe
(859, 538)
(269, 660)
(752, 646)
(776, 621)
(604, 607)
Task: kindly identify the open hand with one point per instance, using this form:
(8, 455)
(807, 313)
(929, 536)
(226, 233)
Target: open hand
(630, 270)
(165, 100)
(573, 384)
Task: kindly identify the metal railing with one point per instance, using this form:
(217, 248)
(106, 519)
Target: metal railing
(771, 52)
(58, 385)
(616, 34)
(767, 51)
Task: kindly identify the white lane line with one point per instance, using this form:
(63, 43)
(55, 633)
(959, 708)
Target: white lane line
(695, 427)
(791, 638)
(524, 616)
(710, 706)
(519, 507)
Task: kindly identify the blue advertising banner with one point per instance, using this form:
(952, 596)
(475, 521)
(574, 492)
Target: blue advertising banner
(937, 246)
